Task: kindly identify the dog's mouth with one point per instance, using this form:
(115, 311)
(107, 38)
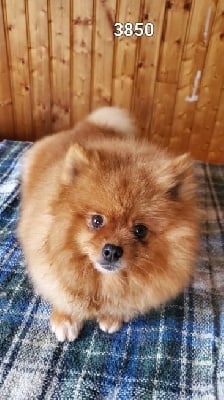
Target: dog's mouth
(107, 267)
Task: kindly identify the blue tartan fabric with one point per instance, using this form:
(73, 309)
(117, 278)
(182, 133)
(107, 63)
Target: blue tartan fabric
(172, 353)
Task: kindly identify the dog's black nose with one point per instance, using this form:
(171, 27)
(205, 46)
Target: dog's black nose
(112, 253)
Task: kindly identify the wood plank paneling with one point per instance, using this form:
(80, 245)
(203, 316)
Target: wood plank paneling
(60, 64)
(60, 59)
(192, 64)
(174, 31)
(6, 116)
(39, 63)
(103, 52)
(82, 24)
(19, 64)
(210, 91)
(216, 146)
(163, 105)
(146, 64)
(126, 47)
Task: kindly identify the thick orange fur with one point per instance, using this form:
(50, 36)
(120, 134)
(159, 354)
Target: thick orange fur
(95, 169)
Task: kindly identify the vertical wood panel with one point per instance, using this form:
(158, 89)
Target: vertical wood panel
(60, 42)
(163, 105)
(195, 48)
(6, 116)
(129, 11)
(82, 46)
(146, 65)
(16, 28)
(175, 24)
(59, 59)
(210, 92)
(39, 60)
(174, 32)
(103, 52)
(216, 147)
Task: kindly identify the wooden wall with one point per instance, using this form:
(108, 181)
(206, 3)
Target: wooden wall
(59, 59)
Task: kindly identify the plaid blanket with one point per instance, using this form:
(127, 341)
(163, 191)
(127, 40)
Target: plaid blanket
(172, 353)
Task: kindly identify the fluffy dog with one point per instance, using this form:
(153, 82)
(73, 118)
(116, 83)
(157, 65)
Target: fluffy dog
(108, 223)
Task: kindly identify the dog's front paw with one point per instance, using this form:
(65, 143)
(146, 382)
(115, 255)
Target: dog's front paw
(65, 327)
(109, 324)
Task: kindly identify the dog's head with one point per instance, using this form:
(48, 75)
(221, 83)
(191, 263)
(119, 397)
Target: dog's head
(120, 200)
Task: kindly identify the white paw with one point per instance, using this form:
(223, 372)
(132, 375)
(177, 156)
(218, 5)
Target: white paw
(65, 330)
(109, 327)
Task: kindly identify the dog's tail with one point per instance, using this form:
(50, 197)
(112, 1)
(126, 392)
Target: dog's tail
(114, 118)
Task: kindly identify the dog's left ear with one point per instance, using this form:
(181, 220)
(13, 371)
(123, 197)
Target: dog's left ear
(182, 171)
(76, 160)
(182, 164)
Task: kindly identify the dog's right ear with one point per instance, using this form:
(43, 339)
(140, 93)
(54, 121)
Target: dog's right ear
(76, 159)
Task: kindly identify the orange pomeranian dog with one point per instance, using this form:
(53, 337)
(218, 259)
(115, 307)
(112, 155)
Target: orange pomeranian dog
(108, 223)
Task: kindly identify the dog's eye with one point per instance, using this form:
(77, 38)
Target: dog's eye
(97, 221)
(140, 231)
